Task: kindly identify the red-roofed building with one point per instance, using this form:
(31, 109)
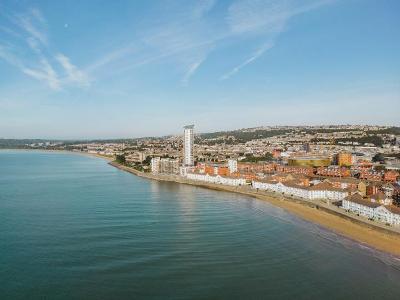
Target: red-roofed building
(333, 171)
(296, 170)
(390, 176)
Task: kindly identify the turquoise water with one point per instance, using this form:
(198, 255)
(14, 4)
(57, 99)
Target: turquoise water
(73, 227)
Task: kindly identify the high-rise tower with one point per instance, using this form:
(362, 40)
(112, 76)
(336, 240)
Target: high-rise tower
(188, 138)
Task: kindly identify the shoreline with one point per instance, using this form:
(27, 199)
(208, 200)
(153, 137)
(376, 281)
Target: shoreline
(107, 158)
(372, 235)
(368, 233)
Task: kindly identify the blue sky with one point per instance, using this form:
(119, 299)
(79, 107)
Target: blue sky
(101, 69)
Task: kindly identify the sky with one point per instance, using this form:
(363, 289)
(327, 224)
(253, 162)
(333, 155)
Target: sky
(115, 69)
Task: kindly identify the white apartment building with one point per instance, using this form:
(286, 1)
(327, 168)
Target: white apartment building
(217, 179)
(388, 214)
(324, 190)
(164, 165)
(372, 210)
(319, 191)
(232, 165)
(169, 166)
(137, 157)
(155, 165)
(188, 141)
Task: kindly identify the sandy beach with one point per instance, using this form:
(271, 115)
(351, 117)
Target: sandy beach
(378, 238)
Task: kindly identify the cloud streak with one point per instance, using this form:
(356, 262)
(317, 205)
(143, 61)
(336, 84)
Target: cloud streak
(251, 59)
(192, 69)
(72, 72)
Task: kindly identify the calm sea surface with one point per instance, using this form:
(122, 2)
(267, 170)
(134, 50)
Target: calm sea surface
(73, 227)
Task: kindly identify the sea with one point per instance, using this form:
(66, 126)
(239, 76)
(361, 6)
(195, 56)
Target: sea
(74, 227)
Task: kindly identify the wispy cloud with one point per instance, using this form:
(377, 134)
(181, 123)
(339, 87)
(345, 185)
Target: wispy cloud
(185, 37)
(34, 24)
(184, 34)
(44, 72)
(258, 16)
(267, 18)
(251, 59)
(72, 72)
(192, 69)
(181, 36)
(111, 57)
(57, 70)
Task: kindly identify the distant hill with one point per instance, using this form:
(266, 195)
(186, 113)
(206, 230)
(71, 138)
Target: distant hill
(248, 134)
(233, 136)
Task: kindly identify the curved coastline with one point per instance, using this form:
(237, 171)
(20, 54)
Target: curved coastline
(369, 234)
(107, 158)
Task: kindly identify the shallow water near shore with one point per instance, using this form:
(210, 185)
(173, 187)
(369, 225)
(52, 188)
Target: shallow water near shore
(73, 227)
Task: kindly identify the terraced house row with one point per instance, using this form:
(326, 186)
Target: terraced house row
(372, 209)
(218, 179)
(321, 190)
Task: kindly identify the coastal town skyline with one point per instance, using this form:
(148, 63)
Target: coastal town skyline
(200, 149)
(350, 170)
(343, 178)
(147, 68)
